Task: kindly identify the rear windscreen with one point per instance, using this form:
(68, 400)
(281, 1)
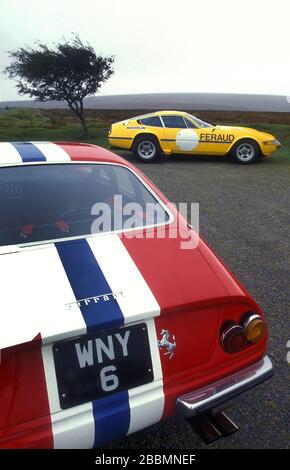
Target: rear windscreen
(47, 202)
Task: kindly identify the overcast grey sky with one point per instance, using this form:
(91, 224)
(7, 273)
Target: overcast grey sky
(239, 46)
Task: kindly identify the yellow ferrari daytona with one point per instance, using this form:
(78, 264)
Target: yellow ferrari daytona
(176, 132)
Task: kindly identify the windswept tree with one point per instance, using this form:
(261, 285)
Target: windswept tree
(71, 71)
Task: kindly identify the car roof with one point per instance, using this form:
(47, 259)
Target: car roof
(161, 113)
(166, 112)
(55, 152)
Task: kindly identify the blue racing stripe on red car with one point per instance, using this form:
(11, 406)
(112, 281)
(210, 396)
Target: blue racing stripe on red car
(88, 281)
(111, 413)
(112, 417)
(29, 152)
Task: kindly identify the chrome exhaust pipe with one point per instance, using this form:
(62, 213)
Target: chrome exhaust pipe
(210, 427)
(223, 423)
(204, 428)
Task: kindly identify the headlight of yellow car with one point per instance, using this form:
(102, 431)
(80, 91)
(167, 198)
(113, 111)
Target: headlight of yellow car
(272, 142)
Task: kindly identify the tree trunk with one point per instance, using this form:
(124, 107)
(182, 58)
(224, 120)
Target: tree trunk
(84, 125)
(79, 111)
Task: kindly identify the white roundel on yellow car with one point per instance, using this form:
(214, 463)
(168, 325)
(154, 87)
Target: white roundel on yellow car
(187, 139)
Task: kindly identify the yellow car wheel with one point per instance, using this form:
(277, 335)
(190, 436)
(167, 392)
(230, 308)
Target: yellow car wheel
(146, 148)
(245, 151)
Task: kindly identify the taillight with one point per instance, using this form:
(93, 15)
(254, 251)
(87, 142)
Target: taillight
(255, 327)
(233, 338)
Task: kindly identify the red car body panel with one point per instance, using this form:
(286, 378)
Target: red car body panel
(25, 413)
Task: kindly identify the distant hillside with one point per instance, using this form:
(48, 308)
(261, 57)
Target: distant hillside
(182, 101)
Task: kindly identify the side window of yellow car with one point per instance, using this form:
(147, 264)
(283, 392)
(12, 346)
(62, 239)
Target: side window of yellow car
(174, 122)
(151, 121)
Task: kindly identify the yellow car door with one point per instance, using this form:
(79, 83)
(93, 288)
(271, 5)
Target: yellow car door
(184, 135)
(178, 138)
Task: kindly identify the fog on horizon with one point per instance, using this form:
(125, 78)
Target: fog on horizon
(169, 46)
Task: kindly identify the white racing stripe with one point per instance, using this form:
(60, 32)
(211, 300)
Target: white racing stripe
(137, 302)
(147, 402)
(9, 154)
(52, 152)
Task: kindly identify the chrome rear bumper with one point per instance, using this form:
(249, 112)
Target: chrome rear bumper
(225, 389)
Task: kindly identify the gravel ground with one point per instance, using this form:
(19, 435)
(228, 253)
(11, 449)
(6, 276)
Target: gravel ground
(245, 217)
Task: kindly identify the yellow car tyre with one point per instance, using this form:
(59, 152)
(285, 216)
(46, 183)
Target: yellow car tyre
(146, 148)
(245, 151)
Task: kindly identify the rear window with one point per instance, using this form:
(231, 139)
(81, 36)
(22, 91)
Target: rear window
(47, 202)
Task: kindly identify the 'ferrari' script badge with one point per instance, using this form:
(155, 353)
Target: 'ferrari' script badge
(95, 300)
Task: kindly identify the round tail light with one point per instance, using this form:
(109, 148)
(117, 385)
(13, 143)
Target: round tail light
(233, 338)
(254, 327)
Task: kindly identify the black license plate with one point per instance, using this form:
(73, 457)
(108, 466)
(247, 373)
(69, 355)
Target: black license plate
(101, 363)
